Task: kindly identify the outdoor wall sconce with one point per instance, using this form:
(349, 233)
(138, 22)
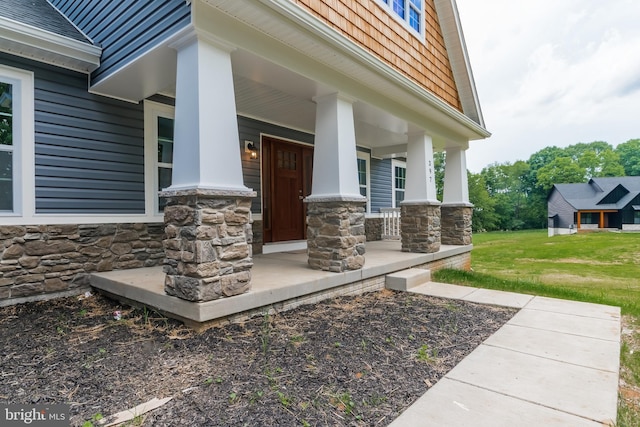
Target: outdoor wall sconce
(250, 147)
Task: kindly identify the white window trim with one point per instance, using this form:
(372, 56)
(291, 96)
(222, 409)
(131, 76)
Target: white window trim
(153, 110)
(24, 193)
(395, 163)
(420, 35)
(367, 158)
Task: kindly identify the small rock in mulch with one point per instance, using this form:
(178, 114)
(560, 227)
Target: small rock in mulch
(348, 361)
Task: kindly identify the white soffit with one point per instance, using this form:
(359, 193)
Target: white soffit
(44, 46)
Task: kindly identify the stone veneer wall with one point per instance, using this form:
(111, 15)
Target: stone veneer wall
(258, 236)
(36, 260)
(373, 229)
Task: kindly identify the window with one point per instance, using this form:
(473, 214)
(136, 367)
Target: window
(636, 217)
(364, 176)
(6, 146)
(165, 154)
(399, 181)
(17, 180)
(409, 12)
(158, 128)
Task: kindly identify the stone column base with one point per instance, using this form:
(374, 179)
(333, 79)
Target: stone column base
(456, 224)
(336, 234)
(207, 243)
(420, 227)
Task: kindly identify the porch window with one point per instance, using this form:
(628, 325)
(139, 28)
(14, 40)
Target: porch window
(17, 173)
(6, 146)
(590, 218)
(158, 123)
(165, 155)
(364, 176)
(409, 12)
(636, 216)
(399, 181)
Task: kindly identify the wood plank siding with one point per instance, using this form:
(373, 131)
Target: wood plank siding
(366, 23)
(125, 29)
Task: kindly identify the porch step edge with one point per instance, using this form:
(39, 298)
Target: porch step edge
(406, 279)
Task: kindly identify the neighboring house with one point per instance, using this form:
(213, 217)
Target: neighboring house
(602, 203)
(255, 117)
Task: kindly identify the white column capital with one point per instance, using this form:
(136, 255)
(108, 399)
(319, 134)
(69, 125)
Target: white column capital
(421, 181)
(456, 186)
(335, 164)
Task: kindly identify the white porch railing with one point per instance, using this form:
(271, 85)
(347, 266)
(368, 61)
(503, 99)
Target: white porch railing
(390, 223)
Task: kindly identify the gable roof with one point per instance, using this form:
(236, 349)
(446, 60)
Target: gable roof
(35, 29)
(601, 193)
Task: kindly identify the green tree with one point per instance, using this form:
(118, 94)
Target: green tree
(629, 153)
(484, 215)
(562, 170)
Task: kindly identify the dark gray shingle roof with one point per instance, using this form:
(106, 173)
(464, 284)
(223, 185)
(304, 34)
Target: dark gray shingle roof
(40, 14)
(586, 196)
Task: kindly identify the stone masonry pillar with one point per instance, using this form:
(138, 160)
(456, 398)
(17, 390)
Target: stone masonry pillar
(420, 227)
(208, 243)
(457, 211)
(456, 224)
(336, 234)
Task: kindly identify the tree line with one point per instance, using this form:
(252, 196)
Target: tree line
(513, 196)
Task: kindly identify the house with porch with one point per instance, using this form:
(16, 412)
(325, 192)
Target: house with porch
(611, 203)
(193, 140)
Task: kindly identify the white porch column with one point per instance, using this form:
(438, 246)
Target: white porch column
(457, 211)
(421, 181)
(335, 164)
(207, 149)
(207, 218)
(456, 186)
(335, 208)
(420, 209)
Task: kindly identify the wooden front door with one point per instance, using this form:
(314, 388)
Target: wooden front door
(287, 170)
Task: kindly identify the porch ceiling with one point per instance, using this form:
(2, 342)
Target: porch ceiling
(281, 64)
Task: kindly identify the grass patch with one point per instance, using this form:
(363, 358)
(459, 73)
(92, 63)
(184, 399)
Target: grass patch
(601, 268)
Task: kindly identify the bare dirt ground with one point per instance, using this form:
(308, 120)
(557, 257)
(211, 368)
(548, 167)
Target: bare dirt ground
(350, 361)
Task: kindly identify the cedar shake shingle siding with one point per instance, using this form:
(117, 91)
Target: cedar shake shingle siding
(372, 27)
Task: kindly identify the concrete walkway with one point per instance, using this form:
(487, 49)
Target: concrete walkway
(555, 363)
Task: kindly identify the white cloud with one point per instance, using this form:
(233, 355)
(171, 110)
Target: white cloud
(553, 73)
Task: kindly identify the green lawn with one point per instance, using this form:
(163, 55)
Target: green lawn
(596, 267)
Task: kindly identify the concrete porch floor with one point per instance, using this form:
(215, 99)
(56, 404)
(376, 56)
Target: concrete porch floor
(277, 278)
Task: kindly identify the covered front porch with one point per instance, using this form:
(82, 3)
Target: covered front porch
(280, 281)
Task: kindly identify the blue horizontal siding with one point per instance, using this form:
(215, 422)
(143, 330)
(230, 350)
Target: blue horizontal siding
(89, 150)
(381, 184)
(125, 29)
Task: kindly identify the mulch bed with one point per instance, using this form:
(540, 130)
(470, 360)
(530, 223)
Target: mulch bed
(349, 361)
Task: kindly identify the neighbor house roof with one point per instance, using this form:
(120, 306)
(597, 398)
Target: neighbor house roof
(35, 29)
(601, 193)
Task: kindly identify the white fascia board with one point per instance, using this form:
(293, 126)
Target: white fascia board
(303, 18)
(31, 42)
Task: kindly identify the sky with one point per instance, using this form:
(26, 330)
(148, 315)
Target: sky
(552, 72)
